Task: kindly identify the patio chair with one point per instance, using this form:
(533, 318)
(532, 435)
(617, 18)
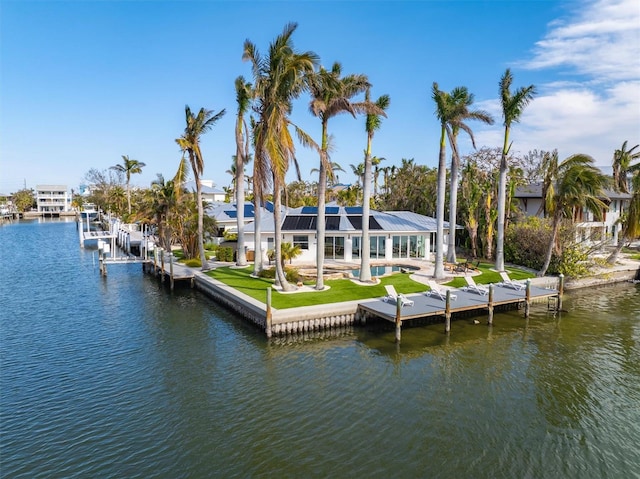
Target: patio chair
(508, 282)
(394, 297)
(439, 292)
(476, 288)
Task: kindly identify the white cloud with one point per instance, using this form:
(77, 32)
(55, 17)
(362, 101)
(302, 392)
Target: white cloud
(603, 41)
(598, 111)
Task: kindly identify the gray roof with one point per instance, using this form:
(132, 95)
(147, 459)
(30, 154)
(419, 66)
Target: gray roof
(534, 190)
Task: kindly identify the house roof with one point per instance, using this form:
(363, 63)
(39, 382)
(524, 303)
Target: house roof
(534, 190)
(347, 219)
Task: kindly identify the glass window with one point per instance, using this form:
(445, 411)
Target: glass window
(301, 240)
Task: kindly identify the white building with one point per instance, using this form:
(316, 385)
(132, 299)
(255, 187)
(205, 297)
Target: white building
(53, 199)
(588, 229)
(393, 235)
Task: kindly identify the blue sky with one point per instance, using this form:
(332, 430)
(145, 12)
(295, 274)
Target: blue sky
(84, 82)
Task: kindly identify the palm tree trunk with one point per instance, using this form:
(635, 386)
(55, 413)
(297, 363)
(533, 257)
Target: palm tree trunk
(203, 257)
(241, 256)
(552, 242)
(257, 236)
(438, 272)
(453, 205)
(365, 251)
(502, 196)
(320, 225)
(613, 257)
(277, 218)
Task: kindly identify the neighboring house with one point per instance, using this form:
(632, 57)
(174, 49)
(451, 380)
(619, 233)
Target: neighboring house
(52, 199)
(588, 229)
(393, 235)
(209, 191)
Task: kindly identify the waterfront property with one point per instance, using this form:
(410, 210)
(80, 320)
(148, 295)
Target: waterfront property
(393, 235)
(588, 230)
(53, 200)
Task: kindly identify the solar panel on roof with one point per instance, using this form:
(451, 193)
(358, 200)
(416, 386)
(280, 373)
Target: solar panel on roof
(332, 210)
(332, 223)
(356, 222)
(353, 210)
(231, 213)
(298, 223)
(309, 210)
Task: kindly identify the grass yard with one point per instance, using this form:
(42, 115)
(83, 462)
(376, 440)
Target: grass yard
(340, 289)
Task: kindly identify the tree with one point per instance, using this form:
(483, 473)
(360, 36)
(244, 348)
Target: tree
(372, 124)
(330, 96)
(622, 166)
(461, 101)
(444, 114)
(569, 187)
(513, 105)
(630, 220)
(129, 167)
(24, 199)
(244, 95)
(189, 143)
(279, 78)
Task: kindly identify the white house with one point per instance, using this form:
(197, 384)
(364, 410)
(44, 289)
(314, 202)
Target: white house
(52, 199)
(393, 235)
(210, 193)
(588, 229)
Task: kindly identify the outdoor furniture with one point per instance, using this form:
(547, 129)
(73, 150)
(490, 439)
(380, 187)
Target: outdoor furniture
(439, 292)
(476, 288)
(508, 282)
(393, 296)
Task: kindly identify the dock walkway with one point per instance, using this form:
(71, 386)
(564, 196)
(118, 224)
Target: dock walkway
(425, 306)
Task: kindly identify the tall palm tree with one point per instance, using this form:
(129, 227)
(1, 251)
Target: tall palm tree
(513, 105)
(244, 95)
(570, 186)
(630, 219)
(189, 143)
(372, 124)
(462, 100)
(129, 167)
(279, 78)
(330, 96)
(444, 113)
(622, 166)
(377, 169)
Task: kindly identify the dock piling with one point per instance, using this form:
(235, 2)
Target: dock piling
(447, 313)
(560, 290)
(398, 319)
(490, 304)
(527, 299)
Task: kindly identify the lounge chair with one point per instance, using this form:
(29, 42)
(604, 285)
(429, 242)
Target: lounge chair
(476, 288)
(439, 292)
(394, 297)
(508, 282)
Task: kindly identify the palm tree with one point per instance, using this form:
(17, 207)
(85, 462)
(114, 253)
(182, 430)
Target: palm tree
(358, 171)
(375, 163)
(570, 186)
(461, 100)
(444, 114)
(129, 167)
(330, 96)
(189, 143)
(372, 124)
(279, 78)
(622, 160)
(244, 95)
(630, 219)
(513, 105)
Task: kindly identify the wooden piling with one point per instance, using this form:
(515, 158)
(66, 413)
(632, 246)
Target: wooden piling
(162, 265)
(560, 291)
(527, 300)
(447, 313)
(490, 304)
(268, 319)
(171, 270)
(398, 319)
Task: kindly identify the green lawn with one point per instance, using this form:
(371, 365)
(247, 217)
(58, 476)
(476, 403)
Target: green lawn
(340, 289)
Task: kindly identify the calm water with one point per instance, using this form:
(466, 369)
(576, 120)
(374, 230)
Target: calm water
(119, 378)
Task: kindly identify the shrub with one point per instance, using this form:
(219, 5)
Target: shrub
(291, 274)
(193, 262)
(225, 253)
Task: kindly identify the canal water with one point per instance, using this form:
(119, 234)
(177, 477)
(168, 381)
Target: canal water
(118, 377)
